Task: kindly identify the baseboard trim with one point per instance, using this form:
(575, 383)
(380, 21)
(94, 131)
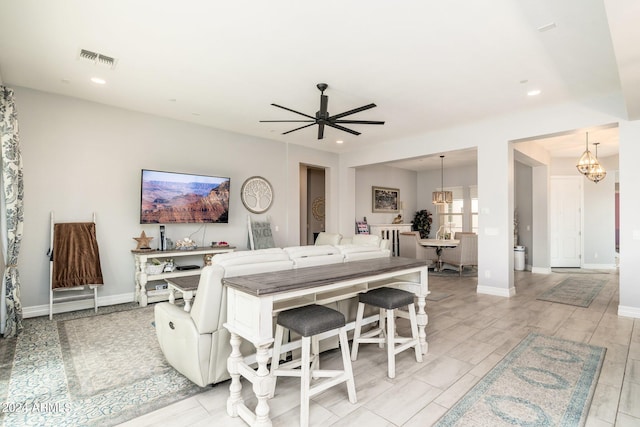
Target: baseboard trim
(627, 311)
(599, 266)
(541, 270)
(499, 292)
(63, 307)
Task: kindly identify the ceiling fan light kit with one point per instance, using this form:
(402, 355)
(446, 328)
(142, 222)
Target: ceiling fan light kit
(322, 117)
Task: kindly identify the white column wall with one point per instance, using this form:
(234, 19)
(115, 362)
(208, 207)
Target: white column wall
(629, 219)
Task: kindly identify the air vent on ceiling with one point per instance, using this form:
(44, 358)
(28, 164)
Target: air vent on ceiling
(97, 58)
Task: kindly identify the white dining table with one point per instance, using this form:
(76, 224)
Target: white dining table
(439, 244)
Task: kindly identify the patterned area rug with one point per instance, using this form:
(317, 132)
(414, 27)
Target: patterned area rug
(90, 370)
(568, 270)
(578, 291)
(544, 381)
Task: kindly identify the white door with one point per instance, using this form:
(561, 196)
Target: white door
(566, 220)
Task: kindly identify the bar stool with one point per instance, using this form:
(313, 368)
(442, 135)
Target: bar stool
(387, 300)
(309, 321)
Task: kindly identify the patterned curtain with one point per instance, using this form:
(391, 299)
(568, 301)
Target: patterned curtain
(12, 183)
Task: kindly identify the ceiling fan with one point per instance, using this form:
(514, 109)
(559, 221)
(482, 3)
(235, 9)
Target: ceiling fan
(322, 117)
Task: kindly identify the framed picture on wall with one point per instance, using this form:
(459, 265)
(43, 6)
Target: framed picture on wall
(385, 200)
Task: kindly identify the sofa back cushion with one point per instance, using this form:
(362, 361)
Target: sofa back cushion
(366, 240)
(209, 310)
(325, 238)
(310, 256)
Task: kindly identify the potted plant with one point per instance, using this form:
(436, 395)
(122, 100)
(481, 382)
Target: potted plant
(422, 223)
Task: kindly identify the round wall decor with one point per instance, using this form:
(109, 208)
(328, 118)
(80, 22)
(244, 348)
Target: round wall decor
(317, 208)
(256, 194)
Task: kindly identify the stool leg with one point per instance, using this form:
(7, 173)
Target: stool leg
(304, 382)
(414, 331)
(391, 345)
(344, 347)
(315, 355)
(356, 331)
(382, 327)
(275, 356)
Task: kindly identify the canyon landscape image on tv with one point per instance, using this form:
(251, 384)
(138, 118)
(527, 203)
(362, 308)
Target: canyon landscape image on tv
(171, 197)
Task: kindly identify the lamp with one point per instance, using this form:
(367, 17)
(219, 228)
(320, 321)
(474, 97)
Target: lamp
(598, 173)
(441, 197)
(587, 163)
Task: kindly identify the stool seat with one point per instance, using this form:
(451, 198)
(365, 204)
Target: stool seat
(387, 298)
(311, 320)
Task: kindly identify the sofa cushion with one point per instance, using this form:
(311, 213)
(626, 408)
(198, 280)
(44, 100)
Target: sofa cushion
(325, 238)
(350, 249)
(366, 240)
(310, 251)
(250, 257)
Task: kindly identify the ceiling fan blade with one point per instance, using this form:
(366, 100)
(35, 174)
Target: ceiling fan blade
(301, 127)
(293, 111)
(320, 130)
(360, 122)
(355, 110)
(342, 128)
(286, 121)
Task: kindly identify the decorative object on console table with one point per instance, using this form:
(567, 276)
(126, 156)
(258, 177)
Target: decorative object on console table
(362, 227)
(385, 200)
(143, 242)
(390, 232)
(145, 282)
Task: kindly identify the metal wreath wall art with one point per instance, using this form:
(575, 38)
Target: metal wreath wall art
(256, 194)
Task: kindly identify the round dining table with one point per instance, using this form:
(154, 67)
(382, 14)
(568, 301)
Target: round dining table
(439, 244)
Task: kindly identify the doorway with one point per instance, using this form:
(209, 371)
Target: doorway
(312, 203)
(566, 221)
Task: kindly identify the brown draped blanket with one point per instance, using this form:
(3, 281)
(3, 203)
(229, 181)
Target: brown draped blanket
(76, 260)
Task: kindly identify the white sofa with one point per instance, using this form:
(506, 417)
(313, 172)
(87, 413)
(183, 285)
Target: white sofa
(196, 343)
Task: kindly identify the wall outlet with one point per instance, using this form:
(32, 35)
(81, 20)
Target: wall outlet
(487, 274)
(277, 228)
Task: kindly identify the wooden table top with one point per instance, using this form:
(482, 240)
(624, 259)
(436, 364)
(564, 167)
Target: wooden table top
(309, 277)
(185, 283)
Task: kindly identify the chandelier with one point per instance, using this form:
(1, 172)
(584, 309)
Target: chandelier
(598, 173)
(587, 163)
(441, 197)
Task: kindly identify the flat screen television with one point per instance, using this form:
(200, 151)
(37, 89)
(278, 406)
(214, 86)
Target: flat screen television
(172, 198)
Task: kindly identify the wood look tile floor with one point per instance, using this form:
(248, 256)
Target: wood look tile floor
(468, 334)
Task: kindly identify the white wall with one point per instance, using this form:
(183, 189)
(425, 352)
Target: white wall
(383, 176)
(82, 157)
(523, 205)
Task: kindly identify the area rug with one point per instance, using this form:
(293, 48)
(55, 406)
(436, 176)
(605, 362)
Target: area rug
(544, 381)
(569, 270)
(96, 370)
(578, 291)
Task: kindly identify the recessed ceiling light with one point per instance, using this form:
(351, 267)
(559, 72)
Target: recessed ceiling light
(98, 80)
(533, 92)
(339, 141)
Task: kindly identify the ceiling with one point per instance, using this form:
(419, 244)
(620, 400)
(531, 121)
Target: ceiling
(426, 64)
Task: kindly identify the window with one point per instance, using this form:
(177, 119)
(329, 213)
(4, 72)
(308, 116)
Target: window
(473, 195)
(452, 215)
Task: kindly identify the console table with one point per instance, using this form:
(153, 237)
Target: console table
(146, 293)
(390, 232)
(253, 300)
